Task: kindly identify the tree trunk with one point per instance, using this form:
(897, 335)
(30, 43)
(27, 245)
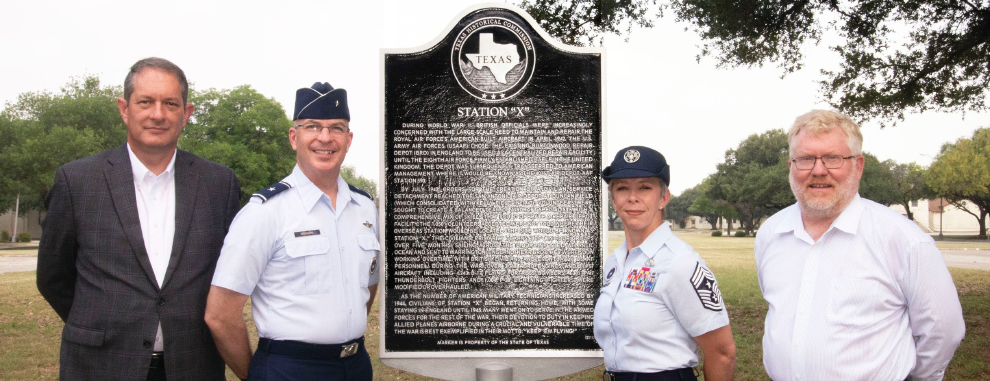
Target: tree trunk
(907, 207)
(747, 223)
(983, 224)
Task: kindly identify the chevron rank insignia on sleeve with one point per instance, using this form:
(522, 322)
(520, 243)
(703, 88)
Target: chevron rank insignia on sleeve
(707, 288)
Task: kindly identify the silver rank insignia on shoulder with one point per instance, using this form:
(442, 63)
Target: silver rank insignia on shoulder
(649, 263)
(367, 224)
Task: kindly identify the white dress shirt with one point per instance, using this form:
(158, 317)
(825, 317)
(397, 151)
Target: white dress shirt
(306, 265)
(155, 196)
(653, 303)
(870, 300)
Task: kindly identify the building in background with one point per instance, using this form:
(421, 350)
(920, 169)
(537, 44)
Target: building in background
(951, 220)
(30, 222)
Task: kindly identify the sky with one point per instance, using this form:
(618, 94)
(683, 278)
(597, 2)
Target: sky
(657, 94)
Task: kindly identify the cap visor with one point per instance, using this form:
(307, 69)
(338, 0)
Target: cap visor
(628, 173)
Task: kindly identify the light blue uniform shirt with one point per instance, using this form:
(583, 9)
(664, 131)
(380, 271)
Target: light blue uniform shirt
(653, 303)
(306, 265)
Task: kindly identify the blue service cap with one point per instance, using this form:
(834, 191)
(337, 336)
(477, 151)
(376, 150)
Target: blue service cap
(638, 161)
(321, 101)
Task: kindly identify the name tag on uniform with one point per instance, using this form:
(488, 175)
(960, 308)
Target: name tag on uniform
(641, 279)
(306, 233)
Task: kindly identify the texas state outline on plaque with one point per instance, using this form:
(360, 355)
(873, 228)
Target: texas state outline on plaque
(499, 58)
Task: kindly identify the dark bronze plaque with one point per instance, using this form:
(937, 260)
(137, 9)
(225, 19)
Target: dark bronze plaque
(492, 200)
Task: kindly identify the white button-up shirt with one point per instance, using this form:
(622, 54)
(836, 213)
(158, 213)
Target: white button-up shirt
(870, 300)
(653, 304)
(306, 265)
(155, 196)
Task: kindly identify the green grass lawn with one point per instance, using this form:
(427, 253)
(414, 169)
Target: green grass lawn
(30, 331)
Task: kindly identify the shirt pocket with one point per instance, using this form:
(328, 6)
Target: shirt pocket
(369, 265)
(854, 302)
(311, 263)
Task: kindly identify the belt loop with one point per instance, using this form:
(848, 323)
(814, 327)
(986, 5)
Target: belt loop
(687, 374)
(264, 344)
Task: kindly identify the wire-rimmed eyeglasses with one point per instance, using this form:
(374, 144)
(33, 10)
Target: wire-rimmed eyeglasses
(316, 129)
(806, 163)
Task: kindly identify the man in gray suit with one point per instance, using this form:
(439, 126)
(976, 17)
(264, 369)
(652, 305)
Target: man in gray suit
(130, 241)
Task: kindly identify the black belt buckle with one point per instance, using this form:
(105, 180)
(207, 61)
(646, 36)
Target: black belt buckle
(157, 360)
(349, 349)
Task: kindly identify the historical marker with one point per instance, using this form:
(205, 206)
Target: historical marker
(492, 144)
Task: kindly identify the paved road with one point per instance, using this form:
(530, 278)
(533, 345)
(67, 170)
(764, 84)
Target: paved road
(18, 263)
(967, 259)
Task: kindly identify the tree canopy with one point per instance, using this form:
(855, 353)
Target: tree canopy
(961, 172)
(878, 182)
(43, 130)
(677, 208)
(704, 207)
(239, 128)
(753, 178)
(244, 130)
(910, 181)
(897, 56)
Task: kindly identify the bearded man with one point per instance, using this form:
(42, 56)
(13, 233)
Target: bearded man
(855, 291)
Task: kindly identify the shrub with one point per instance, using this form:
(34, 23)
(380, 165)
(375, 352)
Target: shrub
(4, 236)
(739, 233)
(24, 237)
(717, 233)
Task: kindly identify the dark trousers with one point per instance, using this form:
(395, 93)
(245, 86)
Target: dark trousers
(304, 362)
(156, 371)
(684, 374)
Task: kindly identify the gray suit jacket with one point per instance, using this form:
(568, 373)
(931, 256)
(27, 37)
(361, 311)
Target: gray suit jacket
(94, 271)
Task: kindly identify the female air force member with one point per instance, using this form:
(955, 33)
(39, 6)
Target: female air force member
(658, 300)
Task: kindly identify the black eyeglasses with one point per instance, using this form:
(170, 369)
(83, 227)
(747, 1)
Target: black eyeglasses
(806, 163)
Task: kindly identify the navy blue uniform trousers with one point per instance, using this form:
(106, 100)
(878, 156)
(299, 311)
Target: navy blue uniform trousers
(298, 361)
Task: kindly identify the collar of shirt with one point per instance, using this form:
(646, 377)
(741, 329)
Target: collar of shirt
(848, 221)
(311, 194)
(650, 247)
(140, 171)
(655, 241)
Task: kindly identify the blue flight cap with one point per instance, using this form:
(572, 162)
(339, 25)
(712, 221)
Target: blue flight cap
(638, 161)
(321, 101)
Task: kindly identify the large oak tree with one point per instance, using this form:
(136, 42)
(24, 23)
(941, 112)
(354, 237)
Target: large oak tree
(961, 173)
(898, 56)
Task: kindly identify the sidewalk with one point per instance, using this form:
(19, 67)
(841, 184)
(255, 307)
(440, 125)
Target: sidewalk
(19, 245)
